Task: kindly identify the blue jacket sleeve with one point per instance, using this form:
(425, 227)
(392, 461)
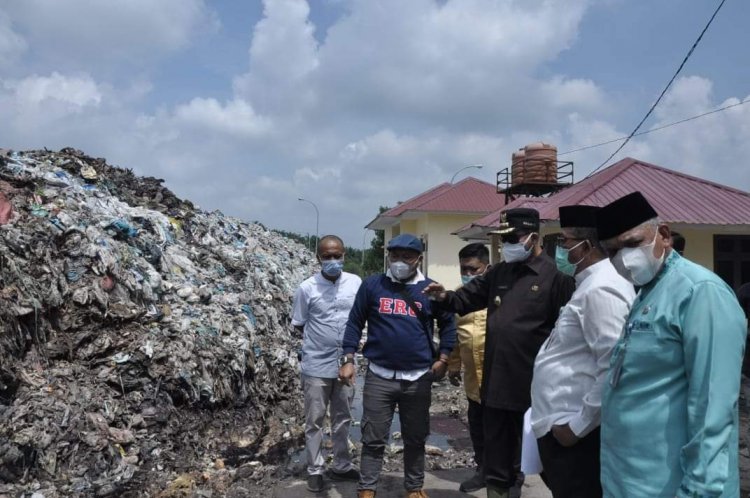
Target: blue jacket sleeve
(713, 341)
(356, 322)
(446, 322)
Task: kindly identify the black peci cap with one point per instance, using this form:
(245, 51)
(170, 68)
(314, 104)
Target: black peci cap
(578, 216)
(622, 215)
(524, 219)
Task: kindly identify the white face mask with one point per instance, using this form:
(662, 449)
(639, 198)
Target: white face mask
(638, 265)
(401, 270)
(518, 251)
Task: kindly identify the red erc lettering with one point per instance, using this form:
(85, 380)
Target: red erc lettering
(390, 306)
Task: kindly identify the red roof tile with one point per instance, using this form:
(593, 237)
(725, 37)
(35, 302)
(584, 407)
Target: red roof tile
(469, 195)
(676, 197)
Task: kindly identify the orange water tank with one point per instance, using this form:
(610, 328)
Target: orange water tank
(535, 163)
(516, 168)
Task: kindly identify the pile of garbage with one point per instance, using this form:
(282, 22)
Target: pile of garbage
(145, 346)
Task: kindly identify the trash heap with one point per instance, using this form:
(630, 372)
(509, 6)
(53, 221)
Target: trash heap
(145, 346)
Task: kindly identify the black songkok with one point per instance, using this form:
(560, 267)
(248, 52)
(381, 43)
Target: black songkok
(578, 216)
(622, 215)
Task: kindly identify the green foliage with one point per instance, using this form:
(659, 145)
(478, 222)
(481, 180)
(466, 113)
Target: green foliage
(308, 241)
(370, 264)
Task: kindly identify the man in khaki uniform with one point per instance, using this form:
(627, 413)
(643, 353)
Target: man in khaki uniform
(474, 260)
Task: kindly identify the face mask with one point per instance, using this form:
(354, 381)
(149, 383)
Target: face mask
(517, 252)
(638, 265)
(465, 279)
(332, 267)
(562, 261)
(401, 270)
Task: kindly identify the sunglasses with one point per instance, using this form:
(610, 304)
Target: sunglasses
(513, 237)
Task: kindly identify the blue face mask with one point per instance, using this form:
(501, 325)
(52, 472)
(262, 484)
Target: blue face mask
(465, 279)
(562, 261)
(332, 267)
(518, 251)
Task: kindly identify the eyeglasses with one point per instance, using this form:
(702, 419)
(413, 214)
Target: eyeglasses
(561, 239)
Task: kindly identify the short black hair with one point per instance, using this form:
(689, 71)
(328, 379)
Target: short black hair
(475, 250)
(743, 296)
(678, 242)
(330, 237)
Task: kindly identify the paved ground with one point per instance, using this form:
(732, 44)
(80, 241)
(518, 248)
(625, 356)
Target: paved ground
(438, 484)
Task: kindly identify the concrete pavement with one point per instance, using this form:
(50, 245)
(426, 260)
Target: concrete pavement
(438, 484)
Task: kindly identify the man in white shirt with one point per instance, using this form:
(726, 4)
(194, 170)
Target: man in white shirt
(571, 367)
(321, 308)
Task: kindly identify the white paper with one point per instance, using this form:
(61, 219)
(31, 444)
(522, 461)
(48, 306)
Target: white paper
(530, 461)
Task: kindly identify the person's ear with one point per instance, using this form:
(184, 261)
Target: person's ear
(665, 233)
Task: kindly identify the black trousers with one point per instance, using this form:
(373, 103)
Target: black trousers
(571, 472)
(476, 431)
(502, 451)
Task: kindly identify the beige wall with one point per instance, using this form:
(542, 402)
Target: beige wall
(699, 245)
(443, 247)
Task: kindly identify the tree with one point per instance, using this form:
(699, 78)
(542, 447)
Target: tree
(375, 256)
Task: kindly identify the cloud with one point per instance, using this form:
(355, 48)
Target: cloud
(711, 147)
(12, 45)
(463, 64)
(74, 92)
(79, 33)
(283, 54)
(237, 117)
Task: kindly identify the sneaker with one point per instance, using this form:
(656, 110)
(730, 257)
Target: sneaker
(416, 493)
(350, 475)
(315, 483)
(474, 483)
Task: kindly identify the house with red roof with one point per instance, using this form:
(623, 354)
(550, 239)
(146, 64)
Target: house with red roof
(713, 218)
(434, 216)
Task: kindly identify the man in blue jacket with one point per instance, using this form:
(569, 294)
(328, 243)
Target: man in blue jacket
(402, 364)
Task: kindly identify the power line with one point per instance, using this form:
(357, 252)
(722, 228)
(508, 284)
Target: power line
(651, 130)
(635, 130)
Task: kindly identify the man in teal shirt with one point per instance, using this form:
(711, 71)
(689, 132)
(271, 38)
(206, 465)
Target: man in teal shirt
(669, 408)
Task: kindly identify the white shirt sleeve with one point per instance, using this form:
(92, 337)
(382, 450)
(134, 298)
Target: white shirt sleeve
(605, 310)
(299, 307)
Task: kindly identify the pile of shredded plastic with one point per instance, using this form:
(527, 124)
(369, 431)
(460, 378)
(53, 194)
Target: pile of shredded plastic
(144, 344)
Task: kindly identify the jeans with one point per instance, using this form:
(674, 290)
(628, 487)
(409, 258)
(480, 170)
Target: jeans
(380, 398)
(319, 393)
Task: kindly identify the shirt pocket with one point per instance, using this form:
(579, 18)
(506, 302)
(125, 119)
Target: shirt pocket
(643, 337)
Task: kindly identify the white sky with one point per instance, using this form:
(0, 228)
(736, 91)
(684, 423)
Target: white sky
(245, 106)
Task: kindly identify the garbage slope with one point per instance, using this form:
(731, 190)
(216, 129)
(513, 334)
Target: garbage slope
(144, 344)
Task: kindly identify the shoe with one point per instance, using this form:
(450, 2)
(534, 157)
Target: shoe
(315, 483)
(515, 491)
(365, 493)
(350, 475)
(416, 493)
(493, 492)
(474, 483)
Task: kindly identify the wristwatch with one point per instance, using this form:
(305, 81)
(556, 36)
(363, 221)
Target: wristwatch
(345, 359)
